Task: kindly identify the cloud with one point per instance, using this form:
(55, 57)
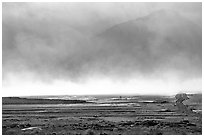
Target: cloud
(74, 41)
(152, 44)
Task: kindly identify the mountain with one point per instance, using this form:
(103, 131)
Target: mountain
(161, 39)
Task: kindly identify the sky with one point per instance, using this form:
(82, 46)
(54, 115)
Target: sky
(101, 48)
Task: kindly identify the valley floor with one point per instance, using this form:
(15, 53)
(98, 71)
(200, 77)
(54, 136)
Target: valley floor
(115, 118)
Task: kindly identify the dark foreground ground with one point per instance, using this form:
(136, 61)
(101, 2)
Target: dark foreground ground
(135, 115)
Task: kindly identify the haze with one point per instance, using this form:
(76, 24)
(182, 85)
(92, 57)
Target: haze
(101, 48)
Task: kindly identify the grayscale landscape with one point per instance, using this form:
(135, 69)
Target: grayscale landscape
(102, 115)
(102, 68)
